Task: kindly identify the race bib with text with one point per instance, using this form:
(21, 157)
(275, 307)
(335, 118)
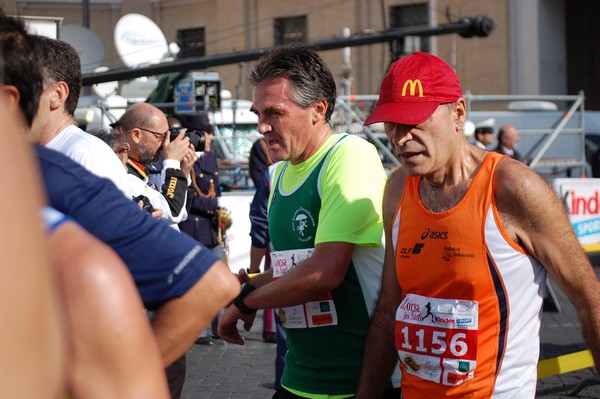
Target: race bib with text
(318, 313)
(436, 338)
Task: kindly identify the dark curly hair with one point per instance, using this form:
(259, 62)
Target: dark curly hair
(61, 63)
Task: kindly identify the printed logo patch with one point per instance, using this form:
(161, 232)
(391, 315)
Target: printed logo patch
(407, 251)
(304, 225)
(434, 235)
(415, 88)
(451, 252)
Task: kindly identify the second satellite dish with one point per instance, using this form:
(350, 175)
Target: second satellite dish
(105, 89)
(88, 46)
(139, 41)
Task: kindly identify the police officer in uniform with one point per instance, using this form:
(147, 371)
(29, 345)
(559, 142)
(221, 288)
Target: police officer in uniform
(203, 222)
(485, 134)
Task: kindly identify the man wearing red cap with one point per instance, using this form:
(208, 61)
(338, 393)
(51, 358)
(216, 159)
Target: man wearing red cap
(470, 236)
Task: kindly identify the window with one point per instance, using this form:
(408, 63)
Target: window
(290, 30)
(191, 42)
(410, 15)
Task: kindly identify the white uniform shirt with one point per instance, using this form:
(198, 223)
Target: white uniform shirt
(138, 186)
(479, 144)
(93, 154)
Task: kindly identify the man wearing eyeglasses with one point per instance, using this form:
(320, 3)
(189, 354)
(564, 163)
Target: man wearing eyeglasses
(54, 125)
(146, 130)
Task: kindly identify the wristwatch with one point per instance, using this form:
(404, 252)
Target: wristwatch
(239, 301)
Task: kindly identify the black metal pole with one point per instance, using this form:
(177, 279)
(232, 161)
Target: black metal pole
(85, 12)
(466, 27)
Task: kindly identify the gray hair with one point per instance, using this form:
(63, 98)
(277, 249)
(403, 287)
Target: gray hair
(310, 78)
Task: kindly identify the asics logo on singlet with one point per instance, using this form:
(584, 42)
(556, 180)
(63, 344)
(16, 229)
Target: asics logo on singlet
(434, 235)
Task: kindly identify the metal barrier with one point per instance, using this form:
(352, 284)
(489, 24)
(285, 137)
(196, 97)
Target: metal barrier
(350, 113)
(550, 134)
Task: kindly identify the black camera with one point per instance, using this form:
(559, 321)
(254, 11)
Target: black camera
(147, 206)
(197, 137)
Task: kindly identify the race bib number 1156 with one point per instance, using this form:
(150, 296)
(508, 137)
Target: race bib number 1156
(436, 338)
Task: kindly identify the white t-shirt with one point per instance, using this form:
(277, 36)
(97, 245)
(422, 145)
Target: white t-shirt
(93, 154)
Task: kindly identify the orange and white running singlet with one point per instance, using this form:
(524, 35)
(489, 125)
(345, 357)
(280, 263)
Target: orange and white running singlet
(468, 325)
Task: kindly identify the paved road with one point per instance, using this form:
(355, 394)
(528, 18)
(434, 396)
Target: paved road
(223, 371)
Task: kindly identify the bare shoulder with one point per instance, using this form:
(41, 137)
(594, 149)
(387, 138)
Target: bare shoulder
(516, 186)
(529, 209)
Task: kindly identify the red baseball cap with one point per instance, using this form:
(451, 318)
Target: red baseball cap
(413, 89)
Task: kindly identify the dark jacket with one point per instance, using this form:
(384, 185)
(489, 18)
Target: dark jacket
(259, 218)
(202, 222)
(152, 251)
(517, 155)
(258, 160)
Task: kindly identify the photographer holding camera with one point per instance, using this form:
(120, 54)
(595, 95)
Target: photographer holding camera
(204, 222)
(146, 130)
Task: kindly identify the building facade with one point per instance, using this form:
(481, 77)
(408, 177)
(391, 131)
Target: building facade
(536, 46)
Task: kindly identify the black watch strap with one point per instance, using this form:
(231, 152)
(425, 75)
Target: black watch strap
(239, 301)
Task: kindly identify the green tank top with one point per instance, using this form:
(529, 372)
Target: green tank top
(324, 359)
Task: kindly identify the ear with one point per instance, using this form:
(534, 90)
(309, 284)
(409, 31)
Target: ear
(460, 114)
(59, 94)
(135, 135)
(10, 96)
(12, 116)
(320, 109)
(461, 110)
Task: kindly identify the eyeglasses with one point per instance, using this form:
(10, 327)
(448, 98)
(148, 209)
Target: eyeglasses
(158, 135)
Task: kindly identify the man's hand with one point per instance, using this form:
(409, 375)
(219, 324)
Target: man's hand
(228, 321)
(178, 148)
(228, 330)
(157, 214)
(243, 276)
(188, 161)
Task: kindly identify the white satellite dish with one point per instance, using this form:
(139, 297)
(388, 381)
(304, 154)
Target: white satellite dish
(88, 46)
(117, 105)
(106, 89)
(138, 41)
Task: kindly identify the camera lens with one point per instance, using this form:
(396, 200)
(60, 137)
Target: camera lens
(198, 139)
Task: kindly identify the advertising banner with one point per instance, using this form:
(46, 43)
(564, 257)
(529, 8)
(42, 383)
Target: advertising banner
(581, 198)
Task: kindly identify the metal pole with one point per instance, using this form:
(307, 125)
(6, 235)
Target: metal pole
(85, 11)
(466, 27)
(85, 14)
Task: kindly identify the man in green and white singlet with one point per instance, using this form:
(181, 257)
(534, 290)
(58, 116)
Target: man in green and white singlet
(325, 226)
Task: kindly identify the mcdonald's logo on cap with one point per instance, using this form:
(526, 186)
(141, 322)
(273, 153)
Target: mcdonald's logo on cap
(413, 86)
